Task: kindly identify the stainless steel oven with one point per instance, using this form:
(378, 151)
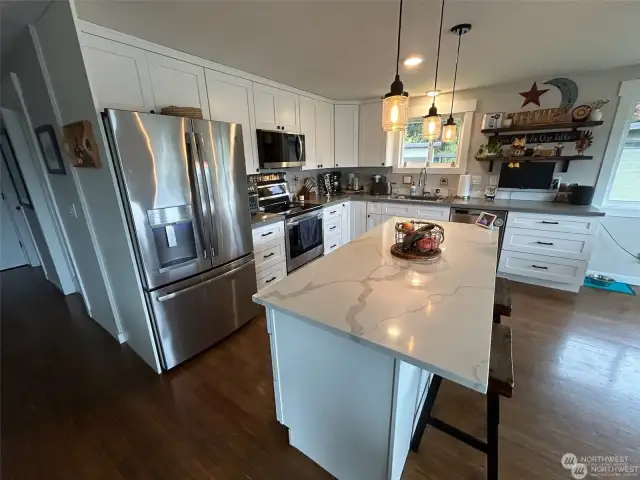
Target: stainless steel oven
(303, 239)
(280, 149)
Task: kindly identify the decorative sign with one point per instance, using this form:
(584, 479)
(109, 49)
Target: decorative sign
(533, 95)
(543, 116)
(81, 144)
(568, 90)
(545, 137)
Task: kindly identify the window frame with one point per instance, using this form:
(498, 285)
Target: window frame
(629, 94)
(419, 107)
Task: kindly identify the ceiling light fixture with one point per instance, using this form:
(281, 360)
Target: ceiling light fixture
(449, 130)
(432, 123)
(395, 106)
(433, 93)
(413, 60)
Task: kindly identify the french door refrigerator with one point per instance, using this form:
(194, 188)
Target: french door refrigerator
(184, 186)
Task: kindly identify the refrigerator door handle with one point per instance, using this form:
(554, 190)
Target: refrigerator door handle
(207, 194)
(190, 142)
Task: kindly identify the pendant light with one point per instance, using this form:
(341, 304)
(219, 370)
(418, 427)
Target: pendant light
(449, 130)
(395, 106)
(432, 124)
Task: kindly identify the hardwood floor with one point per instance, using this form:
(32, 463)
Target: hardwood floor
(75, 404)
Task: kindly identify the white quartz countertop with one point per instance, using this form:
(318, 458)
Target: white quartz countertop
(436, 315)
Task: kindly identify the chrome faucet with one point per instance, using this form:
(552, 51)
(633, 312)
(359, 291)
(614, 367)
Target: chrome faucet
(422, 180)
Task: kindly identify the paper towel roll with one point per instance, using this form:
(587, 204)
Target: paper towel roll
(464, 186)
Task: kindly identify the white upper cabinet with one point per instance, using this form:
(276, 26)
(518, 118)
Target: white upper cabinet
(324, 134)
(346, 135)
(308, 129)
(118, 74)
(231, 100)
(371, 141)
(275, 109)
(178, 83)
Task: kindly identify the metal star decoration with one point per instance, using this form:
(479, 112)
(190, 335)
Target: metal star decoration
(533, 95)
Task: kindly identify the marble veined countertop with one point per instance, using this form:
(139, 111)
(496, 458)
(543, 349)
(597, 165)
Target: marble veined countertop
(436, 315)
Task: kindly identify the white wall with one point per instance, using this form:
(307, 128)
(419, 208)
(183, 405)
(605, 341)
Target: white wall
(97, 192)
(607, 258)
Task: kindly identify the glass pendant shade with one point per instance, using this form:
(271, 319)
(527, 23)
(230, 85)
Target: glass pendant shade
(449, 130)
(395, 112)
(431, 125)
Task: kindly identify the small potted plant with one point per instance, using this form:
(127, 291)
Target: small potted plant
(596, 113)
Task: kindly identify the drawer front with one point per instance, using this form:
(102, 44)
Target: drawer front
(334, 211)
(270, 253)
(398, 209)
(332, 227)
(555, 244)
(271, 275)
(554, 223)
(374, 207)
(331, 243)
(431, 213)
(266, 234)
(553, 269)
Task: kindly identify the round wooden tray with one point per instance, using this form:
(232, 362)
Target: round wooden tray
(396, 251)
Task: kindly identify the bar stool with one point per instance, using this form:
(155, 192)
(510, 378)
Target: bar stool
(501, 300)
(500, 384)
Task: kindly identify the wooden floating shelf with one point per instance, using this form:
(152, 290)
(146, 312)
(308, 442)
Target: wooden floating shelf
(564, 158)
(541, 127)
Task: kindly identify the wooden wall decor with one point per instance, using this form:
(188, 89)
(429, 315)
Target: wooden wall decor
(81, 144)
(568, 90)
(543, 137)
(533, 95)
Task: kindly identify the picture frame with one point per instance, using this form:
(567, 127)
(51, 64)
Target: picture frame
(490, 192)
(492, 120)
(13, 169)
(486, 219)
(50, 150)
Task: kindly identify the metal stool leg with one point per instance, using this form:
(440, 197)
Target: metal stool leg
(493, 420)
(425, 414)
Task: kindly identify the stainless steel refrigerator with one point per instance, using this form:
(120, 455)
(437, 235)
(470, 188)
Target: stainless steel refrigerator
(184, 186)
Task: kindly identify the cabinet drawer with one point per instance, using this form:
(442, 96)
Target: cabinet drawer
(374, 207)
(331, 243)
(555, 244)
(431, 213)
(270, 253)
(562, 270)
(267, 233)
(398, 209)
(271, 275)
(332, 227)
(554, 223)
(332, 212)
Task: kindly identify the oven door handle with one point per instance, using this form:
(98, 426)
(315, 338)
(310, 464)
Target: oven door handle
(293, 224)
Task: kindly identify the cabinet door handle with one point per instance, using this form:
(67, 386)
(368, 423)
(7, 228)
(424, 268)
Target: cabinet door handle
(267, 234)
(270, 255)
(549, 223)
(270, 280)
(539, 267)
(544, 243)
(333, 228)
(333, 246)
(333, 211)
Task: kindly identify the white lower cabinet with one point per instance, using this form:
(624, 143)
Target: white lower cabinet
(331, 243)
(358, 213)
(373, 220)
(379, 212)
(269, 253)
(345, 227)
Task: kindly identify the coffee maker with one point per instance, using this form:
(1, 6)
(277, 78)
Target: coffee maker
(380, 186)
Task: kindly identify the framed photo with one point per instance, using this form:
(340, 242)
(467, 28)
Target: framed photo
(485, 220)
(492, 120)
(15, 174)
(490, 191)
(46, 136)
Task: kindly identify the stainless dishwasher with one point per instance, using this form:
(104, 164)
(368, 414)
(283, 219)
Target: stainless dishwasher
(466, 215)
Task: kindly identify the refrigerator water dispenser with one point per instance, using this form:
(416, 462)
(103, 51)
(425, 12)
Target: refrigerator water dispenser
(173, 235)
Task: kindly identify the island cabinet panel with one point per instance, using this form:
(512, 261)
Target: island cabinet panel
(339, 399)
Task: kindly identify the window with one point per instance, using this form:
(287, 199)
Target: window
(626, 179)
(417, 152)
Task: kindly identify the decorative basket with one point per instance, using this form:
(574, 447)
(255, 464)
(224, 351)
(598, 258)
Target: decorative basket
(416, 240)
(189, 112)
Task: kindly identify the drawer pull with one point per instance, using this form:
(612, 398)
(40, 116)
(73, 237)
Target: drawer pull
(546, 222)
(333, 211)
(544, 243)
(270, 280)
(333, 246)
(333, 228)
(539, 267)
(267, 234)
(270, 255)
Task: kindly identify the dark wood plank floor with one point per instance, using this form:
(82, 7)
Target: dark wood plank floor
(75, 404)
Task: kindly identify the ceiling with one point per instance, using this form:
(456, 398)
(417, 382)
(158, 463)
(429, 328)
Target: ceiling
(14, 18)
(346, 49)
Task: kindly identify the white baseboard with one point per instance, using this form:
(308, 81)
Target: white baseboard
(122, 338)
(619, 278)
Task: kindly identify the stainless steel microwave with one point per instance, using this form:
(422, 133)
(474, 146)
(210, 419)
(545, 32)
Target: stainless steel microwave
(280, 149)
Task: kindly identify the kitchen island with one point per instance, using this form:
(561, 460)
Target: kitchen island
(356, 335)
